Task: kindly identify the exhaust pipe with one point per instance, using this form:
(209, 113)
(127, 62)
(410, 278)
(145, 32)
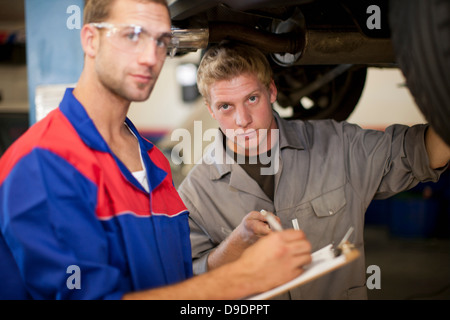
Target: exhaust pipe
(310, 47)
(266, 41)
(188, 40)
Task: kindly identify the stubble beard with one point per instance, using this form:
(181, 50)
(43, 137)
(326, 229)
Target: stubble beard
(252, 147)
(140, 91)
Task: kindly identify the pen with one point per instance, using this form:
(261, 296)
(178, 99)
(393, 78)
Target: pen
(295, 224)
(273, 223)
(338, 250)
(347, 235)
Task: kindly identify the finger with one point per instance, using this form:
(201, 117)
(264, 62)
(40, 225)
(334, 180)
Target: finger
(302, 261)
(297, 243)
(255, 215)
(262, 228)
(291, 235)
(301, 247)
(258, 227)
(301, 254)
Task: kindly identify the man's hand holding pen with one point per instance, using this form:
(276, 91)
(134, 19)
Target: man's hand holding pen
(252, 227)
(261, 230)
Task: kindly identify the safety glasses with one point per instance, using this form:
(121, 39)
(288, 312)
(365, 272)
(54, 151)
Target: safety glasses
(135, 39)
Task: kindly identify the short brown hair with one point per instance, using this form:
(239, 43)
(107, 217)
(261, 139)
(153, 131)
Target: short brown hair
(228, 60)
(99, 10)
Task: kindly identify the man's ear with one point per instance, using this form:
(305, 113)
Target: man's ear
(273, 92)
(89, 40)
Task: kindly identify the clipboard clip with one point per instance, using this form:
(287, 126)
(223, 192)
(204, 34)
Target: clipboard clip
(344, 246)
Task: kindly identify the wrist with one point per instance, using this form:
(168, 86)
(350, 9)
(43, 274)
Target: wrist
(227, 251)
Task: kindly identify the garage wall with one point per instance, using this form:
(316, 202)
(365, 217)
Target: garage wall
(54, 53)
(13, 88)
(385, 100)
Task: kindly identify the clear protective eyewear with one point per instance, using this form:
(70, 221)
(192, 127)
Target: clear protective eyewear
(134, 38)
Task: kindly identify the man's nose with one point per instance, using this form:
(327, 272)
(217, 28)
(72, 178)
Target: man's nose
(243, 116)
(148, 54)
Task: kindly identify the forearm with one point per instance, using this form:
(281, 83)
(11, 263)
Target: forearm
(252, 228)
(281, 255)
(227, 251)
(224, 283)
(438, 151)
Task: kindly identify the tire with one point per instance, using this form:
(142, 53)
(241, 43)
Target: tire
(334, 100)
(421, 39)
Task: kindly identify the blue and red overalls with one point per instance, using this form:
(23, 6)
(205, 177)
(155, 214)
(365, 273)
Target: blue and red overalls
(67, 200)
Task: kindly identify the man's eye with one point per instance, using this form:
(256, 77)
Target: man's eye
(132, 36)
(224, 106)
(253, 99)
(163, 42)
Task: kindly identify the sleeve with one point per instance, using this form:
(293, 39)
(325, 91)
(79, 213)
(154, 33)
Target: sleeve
(382, 164)
(201, 241)
(48, 221)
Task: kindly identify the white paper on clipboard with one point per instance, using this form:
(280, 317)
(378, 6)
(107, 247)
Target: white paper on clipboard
(323, 261)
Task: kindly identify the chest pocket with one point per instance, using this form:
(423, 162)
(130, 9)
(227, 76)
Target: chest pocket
(330, 203)
(323, 218)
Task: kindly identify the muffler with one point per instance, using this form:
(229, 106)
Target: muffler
(309, 47)
(190, 40)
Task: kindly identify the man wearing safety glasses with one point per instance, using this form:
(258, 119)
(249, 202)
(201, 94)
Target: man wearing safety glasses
(88, 209)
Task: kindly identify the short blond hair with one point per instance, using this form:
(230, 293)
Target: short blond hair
(99, 10)
(228, 60)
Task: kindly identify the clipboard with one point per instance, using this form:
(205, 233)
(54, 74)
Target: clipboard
(323, 261)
